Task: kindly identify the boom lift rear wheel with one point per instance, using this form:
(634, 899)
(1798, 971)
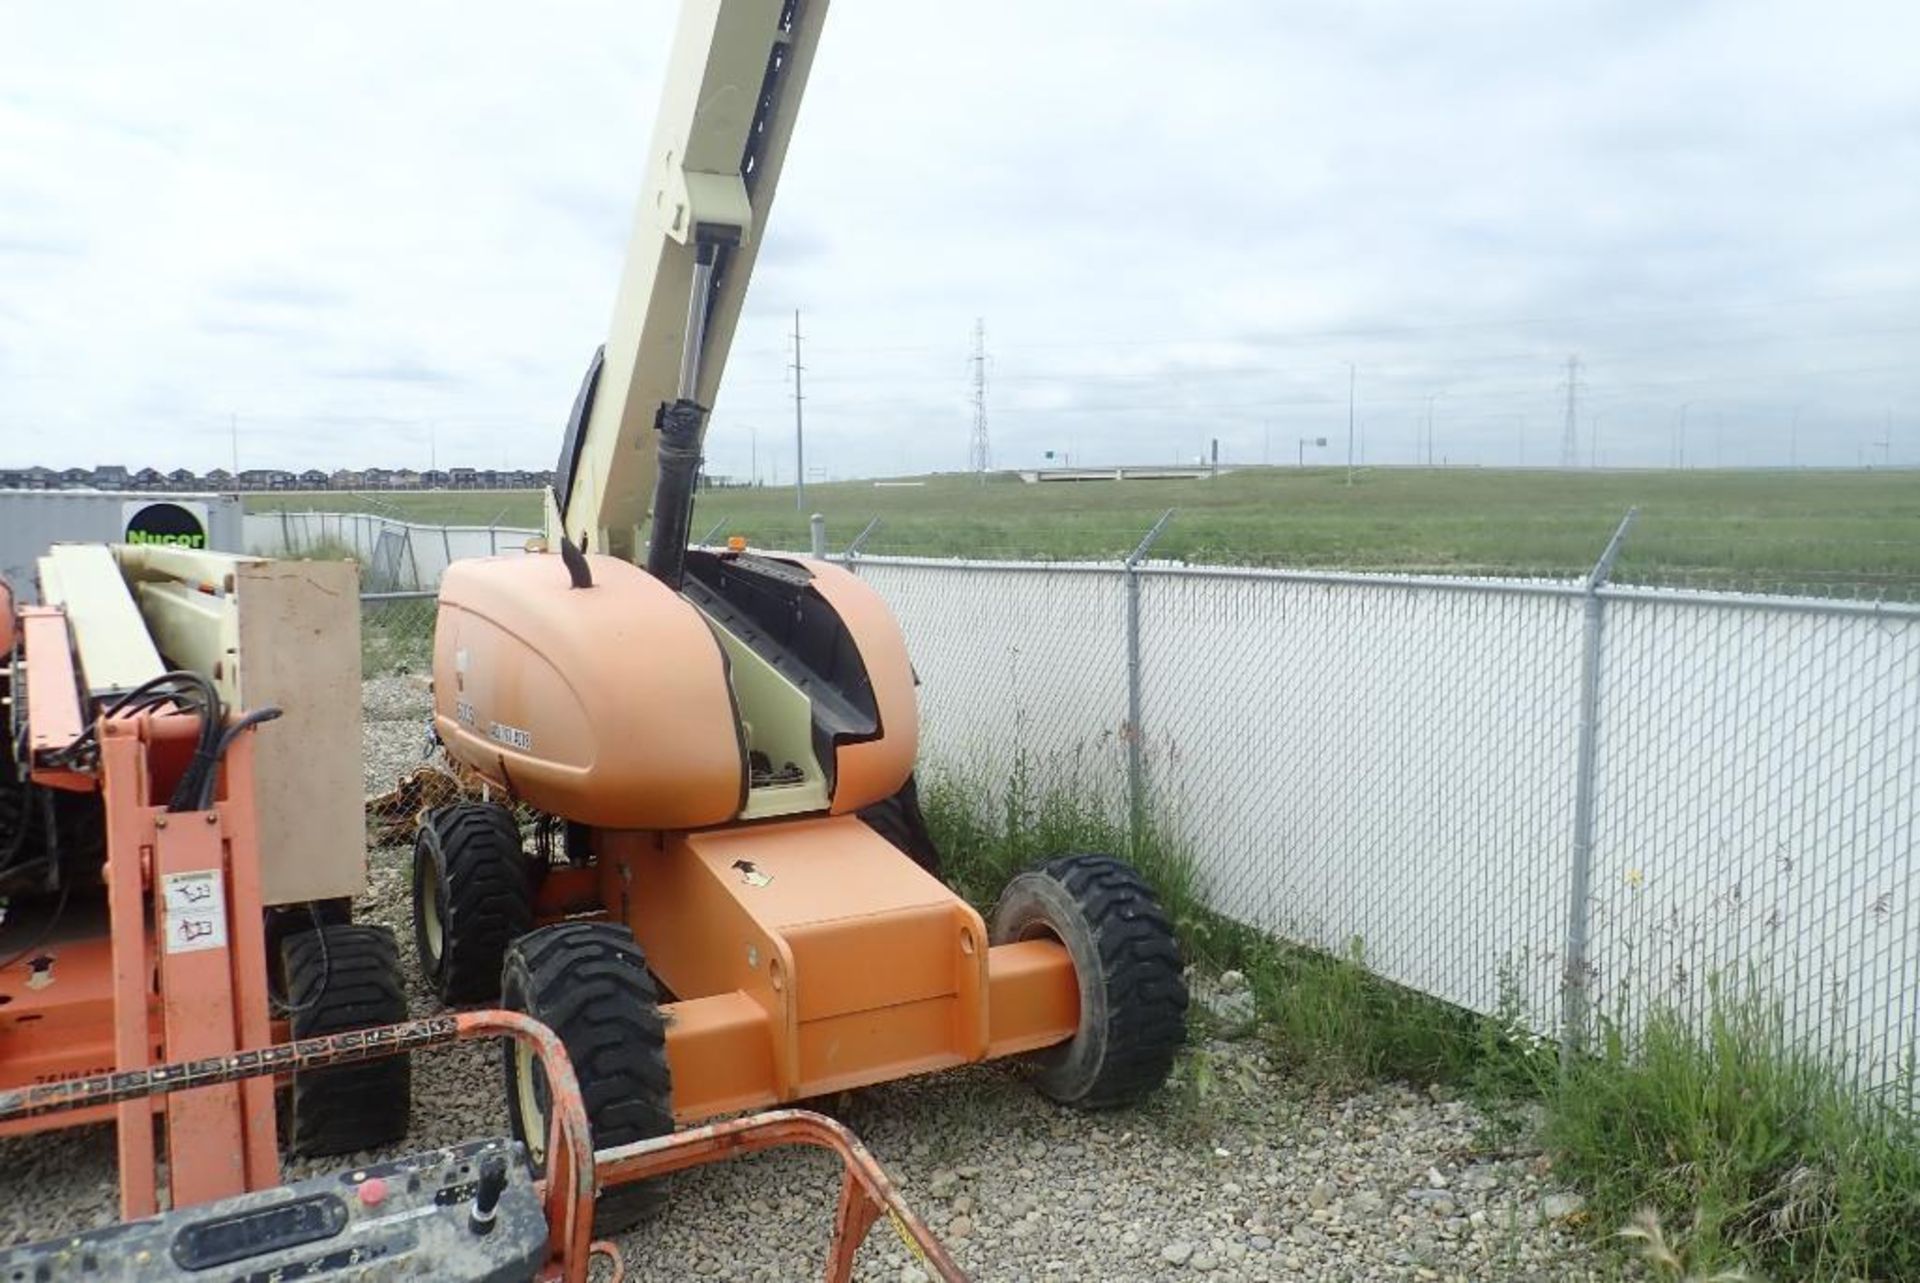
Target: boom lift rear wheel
(472, 896)
(589, 983)
(899, 820)
(340, 978)
(1133, 998)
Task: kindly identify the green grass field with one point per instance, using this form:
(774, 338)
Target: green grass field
(1851, 533)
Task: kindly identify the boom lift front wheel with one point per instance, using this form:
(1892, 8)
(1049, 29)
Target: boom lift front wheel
(1133, 997)
(473, 895)
(589, 983)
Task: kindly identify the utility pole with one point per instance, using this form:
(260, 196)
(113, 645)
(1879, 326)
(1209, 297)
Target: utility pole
(1793, 440)
(1593, 441)
(753, 447)
(1570, 437)
(799, 434)
(979, 454)
(233, 425)
(1351, 376)
(1431, 398)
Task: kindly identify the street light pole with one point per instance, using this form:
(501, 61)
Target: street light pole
(1351, 376)
(1430, 400)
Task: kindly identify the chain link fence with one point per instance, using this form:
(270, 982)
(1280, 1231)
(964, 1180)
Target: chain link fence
(1758, 780)
(395, 556)
(1554, 800)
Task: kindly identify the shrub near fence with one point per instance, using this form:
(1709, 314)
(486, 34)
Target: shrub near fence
(1561, 800)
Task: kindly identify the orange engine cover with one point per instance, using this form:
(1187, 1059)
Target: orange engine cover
(609, 705)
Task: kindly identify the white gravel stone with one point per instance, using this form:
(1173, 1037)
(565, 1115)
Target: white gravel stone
(1557, 1207)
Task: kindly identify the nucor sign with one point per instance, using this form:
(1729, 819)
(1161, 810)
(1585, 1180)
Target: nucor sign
(166, 522)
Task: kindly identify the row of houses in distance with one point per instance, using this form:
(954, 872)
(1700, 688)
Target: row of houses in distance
(115, 477)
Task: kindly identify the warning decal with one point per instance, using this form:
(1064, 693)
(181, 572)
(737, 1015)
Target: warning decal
(196, 911)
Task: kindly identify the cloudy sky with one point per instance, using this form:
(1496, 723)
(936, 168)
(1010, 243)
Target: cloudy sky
(384, 233)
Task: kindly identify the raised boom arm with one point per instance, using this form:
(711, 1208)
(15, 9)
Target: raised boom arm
(733, 89)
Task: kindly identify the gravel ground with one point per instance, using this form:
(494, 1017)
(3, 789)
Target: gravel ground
(1266, 1178)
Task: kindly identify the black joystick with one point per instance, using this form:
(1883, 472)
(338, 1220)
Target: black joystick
(486, 1194)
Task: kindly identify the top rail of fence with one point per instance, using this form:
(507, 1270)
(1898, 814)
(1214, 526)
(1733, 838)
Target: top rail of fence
(1902, 611)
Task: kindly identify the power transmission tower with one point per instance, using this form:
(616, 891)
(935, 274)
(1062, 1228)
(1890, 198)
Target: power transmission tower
(979, 452)
(1570, 438)
(799, 435)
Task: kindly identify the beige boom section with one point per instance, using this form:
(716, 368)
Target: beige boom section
(710, 118)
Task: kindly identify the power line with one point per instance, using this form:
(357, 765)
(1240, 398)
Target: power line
(1740, 342)
(1677, 312)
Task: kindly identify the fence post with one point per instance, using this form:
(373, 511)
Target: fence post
(1136, 767)
(1573, 984)
(817, 527)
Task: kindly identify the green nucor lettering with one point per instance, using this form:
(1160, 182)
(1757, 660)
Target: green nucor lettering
(171, 541)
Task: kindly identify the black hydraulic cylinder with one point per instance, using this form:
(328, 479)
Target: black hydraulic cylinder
(680, 424)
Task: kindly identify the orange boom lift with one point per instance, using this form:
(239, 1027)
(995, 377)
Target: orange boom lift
(732, 902)
(140, 921)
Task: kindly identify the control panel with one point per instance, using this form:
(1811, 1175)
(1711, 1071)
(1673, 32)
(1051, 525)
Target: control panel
(468, 1214)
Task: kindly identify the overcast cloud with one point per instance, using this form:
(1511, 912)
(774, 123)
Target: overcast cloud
(374, 232)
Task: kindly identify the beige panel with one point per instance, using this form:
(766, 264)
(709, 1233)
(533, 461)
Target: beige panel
(300, 652)
(777, 718)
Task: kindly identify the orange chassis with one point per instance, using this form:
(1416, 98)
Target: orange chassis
(810, 957)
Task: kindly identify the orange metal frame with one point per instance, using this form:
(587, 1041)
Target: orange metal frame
(807, 957)
(575, 1172)
(128, 982)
